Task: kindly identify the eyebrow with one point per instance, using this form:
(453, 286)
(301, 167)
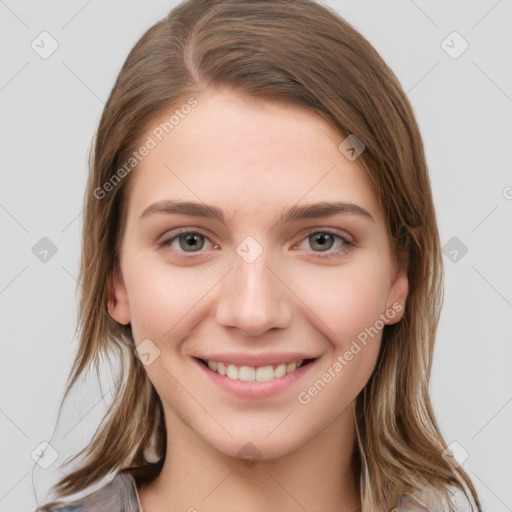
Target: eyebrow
(294, 213)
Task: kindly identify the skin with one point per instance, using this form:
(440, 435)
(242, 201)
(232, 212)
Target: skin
(253, 159)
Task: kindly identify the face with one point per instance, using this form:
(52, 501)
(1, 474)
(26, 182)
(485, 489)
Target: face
(254, 247)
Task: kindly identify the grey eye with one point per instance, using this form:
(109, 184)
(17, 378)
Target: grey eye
(321, 241)
(191, 242)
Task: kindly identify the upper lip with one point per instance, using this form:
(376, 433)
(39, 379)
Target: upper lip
(244, 359)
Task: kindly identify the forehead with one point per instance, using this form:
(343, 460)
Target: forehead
(246, 156)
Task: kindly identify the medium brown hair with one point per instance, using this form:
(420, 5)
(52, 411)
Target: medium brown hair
(301, 53)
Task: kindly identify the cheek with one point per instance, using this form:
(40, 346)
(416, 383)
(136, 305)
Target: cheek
(164, 300)
(345, 300)
(347, 312)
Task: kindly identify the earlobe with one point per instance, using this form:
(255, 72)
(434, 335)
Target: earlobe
(397, 297)
(118, 305)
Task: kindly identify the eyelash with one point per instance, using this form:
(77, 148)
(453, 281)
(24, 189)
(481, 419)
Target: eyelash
(347, 244)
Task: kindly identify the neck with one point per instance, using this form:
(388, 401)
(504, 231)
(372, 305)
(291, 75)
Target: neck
(319, 475)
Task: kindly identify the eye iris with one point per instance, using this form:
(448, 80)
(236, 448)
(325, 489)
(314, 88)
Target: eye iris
(194, 241)
(323, 241)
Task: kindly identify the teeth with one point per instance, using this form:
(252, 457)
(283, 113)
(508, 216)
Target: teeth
(280, 370)
(290, 367)
(247, 373)
(265, 373)
(232, 372)
(253, 374)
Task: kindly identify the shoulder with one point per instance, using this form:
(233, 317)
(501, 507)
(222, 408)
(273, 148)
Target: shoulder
(119, 495)
(428, 501)
(461, 502)
(410, 503)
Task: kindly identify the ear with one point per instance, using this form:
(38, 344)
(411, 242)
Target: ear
(118, 305)
(397, 296)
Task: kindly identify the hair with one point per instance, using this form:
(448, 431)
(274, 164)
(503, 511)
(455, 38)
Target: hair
(300, 53)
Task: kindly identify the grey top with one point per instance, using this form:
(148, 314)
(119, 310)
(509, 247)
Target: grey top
(120, 495)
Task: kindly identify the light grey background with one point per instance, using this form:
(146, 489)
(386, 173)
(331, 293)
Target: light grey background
(50, 109)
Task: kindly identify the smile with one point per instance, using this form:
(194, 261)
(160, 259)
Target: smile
(255, 376)
(253, 373)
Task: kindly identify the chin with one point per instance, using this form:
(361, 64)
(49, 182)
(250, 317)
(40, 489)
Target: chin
(256, 440)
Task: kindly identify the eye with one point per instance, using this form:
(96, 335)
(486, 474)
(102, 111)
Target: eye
(185, 241)
(193, 241)
(321, 241)
(327, 242)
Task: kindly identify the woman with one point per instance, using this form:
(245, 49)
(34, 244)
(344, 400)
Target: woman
(260, 246)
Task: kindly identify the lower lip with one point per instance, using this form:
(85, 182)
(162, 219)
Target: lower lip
(256, 389)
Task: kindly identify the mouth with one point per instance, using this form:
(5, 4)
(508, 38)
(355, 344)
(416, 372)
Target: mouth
(247, 373)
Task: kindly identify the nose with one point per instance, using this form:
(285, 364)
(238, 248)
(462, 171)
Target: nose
(253, 297)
